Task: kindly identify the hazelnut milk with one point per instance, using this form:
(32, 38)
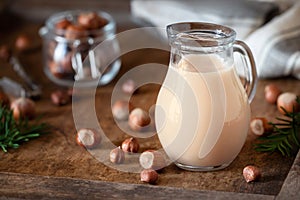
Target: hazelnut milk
(203, 113)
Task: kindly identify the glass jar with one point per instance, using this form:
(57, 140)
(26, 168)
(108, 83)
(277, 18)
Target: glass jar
(69, 53)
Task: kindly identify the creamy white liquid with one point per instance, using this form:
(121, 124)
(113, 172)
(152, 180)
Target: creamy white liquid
(206, 112)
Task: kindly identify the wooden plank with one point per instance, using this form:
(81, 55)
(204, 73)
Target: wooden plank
(41, 187)
(291, 185)
(54, 166)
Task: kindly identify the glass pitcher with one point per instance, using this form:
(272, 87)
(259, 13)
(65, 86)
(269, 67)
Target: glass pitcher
(202, 110)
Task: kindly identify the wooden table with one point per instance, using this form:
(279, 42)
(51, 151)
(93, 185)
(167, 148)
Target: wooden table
(54, 166)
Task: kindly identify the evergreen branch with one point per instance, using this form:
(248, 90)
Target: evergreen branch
(285, 137)
(14, 132)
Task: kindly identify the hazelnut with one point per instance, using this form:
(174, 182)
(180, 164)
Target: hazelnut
(23, 108)
(260, 126)
(117, 155)
(88, 138)
(62, 24)
(149, 176)
(55, 69)
(60, 97)
(121, 109)
(287, 101)
(23, 43)
(58, 71)
(5, 53)
(138, 119)
(271, 93)
(90, 20)
(130, 145)
(152, 160)
(4, 100)
(251, 173)
(128, 86)
(75, 32)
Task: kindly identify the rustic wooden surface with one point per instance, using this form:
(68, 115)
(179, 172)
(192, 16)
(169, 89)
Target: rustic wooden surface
(54, 166)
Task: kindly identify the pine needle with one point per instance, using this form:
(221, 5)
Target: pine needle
(286, 136)
(14, 132)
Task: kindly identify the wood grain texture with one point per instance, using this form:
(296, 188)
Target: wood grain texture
(38, 187)
(54, 166)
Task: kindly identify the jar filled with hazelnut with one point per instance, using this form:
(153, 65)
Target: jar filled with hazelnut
(80, 46)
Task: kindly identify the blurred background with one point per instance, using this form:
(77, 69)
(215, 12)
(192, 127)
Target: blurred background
(250, 19)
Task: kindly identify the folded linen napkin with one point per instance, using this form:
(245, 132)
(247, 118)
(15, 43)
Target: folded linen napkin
(274, 41)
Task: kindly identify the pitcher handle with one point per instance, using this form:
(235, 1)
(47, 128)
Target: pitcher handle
(250, 67)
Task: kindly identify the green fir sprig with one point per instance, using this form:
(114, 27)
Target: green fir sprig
(14, 132)
(286, 135)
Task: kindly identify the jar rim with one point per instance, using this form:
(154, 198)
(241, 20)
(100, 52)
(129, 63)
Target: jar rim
(108, 28)
(200, 34)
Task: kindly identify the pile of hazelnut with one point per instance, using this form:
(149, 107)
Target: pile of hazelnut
(59, 58)
(150, 160)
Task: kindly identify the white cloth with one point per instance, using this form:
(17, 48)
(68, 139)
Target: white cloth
(274, 42)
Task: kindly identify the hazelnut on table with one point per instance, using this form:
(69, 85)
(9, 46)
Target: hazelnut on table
(60, 97)
(88, 138)
(149, 176)
(152, 160)
(287, 101)
(130, 145)
(138, 119)
(23, 108)
(251, 173)
(271, 93)
(260, 126)
(121, 109)
(128, 86)
(23, 43)
(117, 155)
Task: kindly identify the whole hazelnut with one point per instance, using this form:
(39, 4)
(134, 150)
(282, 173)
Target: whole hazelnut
(5, 53)
(149, 176)
(62, 68)
(271, 93)
(151, 159)
(121, 109)
(75, 32)
(251, 173)
(88, 138)
(138, 119)
(23, 42)
(23, 108)
(130, 145)
(287, 101)
(60, 97)
(260, 126)
(128, 86)
(55, 70)
(117, 155)
(89, 20)
(62, 24)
